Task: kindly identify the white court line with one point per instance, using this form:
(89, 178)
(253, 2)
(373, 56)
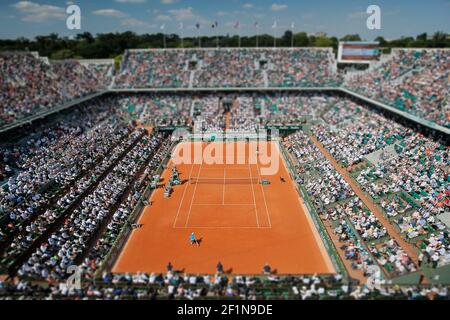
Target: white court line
(219, 204)
(182, 198)
(264, 195)
(224, 177)
(216, 169)
(191, 227)
(193, 196)
(254, 198)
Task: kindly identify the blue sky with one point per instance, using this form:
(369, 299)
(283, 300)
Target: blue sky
(335, 17)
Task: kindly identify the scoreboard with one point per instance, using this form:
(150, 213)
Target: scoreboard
(358, 52)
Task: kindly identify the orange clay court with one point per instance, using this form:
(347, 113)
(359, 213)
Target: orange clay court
(241, 223)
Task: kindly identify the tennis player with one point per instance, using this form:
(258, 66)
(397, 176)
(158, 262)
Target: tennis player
(193, 239)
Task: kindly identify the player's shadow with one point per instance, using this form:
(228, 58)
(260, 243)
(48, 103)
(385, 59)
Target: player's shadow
(199, 241)
(180, 271)
(229, 271)
(271, 273)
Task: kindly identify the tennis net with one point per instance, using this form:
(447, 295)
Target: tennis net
(204, 180)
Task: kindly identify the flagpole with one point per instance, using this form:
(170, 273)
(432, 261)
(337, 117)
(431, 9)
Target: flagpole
(292, 36)
(164, 40)
(197, 26)
(239, 36)
(182, 40)
(217, 33)
(274, 35)
(237, 26)
(256, 27)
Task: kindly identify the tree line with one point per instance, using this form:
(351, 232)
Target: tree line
(112, 45)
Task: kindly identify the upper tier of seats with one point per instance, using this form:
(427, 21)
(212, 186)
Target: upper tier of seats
(218, 68)
(415, 81)
(30, 84)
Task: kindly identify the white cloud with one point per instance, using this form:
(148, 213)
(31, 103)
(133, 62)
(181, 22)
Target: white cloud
(163, 17)
(278, 7)
(132, 22)
(183, 14)
(356, 15)
(169, 1)
(247, 5)
(222, 13)
(109, 13)
(124, 18)
(35, 12)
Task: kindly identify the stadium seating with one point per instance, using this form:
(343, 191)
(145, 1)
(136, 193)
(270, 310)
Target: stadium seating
(143, 286)
(30, 84)
(73, 182)
(415, 81)
(216, 68)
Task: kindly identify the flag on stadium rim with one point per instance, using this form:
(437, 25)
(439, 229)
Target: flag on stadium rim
(293, 25)
(197, 25)
(215, 25)
(181, 26)
(275, 24)
(256, 25)
(162, 27)
(236, 25)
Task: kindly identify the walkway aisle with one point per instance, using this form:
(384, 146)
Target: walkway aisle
(227, 121)
(409, 249)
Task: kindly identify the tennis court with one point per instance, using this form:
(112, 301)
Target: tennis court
(240, 221)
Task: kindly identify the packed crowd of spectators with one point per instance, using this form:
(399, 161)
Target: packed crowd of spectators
(208, 114)
(120, 219)
(103, 71)
(290, 108)
(365, 239)
(51, 159)
(229, 68)
(391, 256)
(28, 225)
(242, 115)
(413, 80)
(30, 84)
(64, 246)
(142, 286)
(61, 176)
(213, 68)
(411, 184)
(59, 182)
(358, 133)
(157, 109)
(154, 69)
(301, 68)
